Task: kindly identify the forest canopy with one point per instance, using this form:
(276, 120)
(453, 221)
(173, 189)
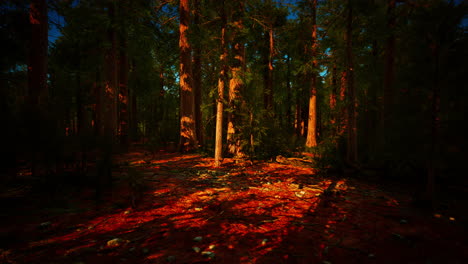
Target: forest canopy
(359, 84)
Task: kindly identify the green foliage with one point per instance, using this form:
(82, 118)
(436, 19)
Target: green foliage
(264, 139)
(430, 52)
(14, 35)
(327, 154)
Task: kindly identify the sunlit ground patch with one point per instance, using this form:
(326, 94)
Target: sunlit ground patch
(258, 213)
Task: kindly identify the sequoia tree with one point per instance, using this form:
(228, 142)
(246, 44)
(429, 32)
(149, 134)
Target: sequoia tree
(188, 137)
(236, 83)
(352, 124)
(37, 65)
(312, 121)
(221, 84)
(111, 89)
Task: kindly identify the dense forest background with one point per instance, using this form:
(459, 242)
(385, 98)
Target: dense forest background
(372, 87)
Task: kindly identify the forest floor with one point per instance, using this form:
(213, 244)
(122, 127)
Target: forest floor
(172, 208)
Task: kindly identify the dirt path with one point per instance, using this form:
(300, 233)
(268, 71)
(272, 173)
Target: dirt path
(174, 208)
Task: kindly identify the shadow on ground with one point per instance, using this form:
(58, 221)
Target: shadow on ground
(185, 211)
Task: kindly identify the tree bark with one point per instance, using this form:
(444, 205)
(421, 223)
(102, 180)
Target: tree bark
(298, 119)
(134, 115)
(37, 81)
(289, 103)
(97, 109)
(124, 96)
(389, 74)
(371, 132)
(37, 64)
(435, 127)
(80, 93)
(197, 81)
(268, 72)
(352, 153)
(236, 84)
(221, 84)
(312, 120)
(188, 135)
(333, 94)
(110, 94)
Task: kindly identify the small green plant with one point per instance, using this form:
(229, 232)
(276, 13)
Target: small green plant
(328, 155)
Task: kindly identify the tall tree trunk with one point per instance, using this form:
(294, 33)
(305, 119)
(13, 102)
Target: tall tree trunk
(37, 64)
(333, 94)
(197, 80)
(297, 118)
(131, 107)
(221, 84)
(97, 109)
(435, 127)
(372, 116)
(111, 89)
(188, 135)
(352, 153)
(124, 96)
(80, 111)
(268, 72)
(236, 84)
(37, 80)
(288, 91)
(268, 65)
(312, 120)
(389, 74)
(133, 115)
(343, 110)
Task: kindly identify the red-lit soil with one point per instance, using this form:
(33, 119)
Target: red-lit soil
(185, 211)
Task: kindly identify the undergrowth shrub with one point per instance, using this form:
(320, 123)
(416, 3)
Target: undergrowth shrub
(328, 155)
(271, 140)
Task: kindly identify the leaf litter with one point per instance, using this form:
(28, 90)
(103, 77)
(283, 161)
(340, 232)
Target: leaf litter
(277, 212)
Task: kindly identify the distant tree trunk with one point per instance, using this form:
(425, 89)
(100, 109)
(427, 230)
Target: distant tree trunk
(37, 63)
(132, 126)
(435, 126)
(372, 115)
(197, 80)
(268, 72)
(133, 115)
(161, 92)
(312, 120)
(297, 118)
(288, 90)
(304, 119)
(343, 118)
(268, 54)
(188, 135)
(301, 109)
(236, 84)
(80, 111)
(221, 84)
(352, 153)
(111, 91)
(97, 109)
(389, 74)
(333, 94)
(37, 80)
(124, 96)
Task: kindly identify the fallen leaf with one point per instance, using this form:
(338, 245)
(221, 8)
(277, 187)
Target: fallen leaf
(208, 254)
(115, 242)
